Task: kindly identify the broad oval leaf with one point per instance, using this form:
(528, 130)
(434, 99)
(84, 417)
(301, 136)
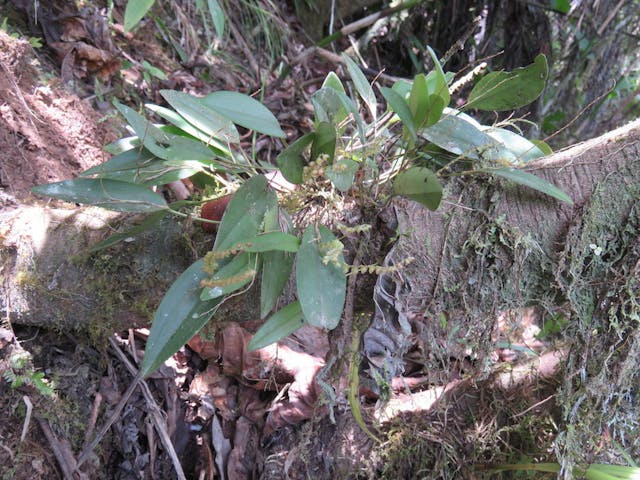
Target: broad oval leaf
(217, 16)
(245, 111)
(221, 148)
(276, 265)
(543, 146)
(419, 184)
(508, 90)
(105, 193)
(291, 161)
(165, 145)
(333, 81)
(398, 104)
(419, 100)
(321, 286)
(324, 142)
(529, 180)
(329, 106)
(179, 317)
(127, 160)
(199, 114)
(333, 106)
(272, 241)
(457, 135)
(362, 85)
(245, 213)
(437, 80)
(136, 9)
(282, 323)
(562, 6)
(436, 107)
(523, 149)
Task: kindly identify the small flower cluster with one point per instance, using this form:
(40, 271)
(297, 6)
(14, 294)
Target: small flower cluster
(315, 168)
(379, 269)
(227, 281)
(331, 253)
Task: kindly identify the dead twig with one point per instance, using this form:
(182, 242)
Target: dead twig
(154, 409)
(63, 454)
(27, 418)
(97, 401)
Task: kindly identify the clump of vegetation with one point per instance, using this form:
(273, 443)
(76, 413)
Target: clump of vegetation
(19, 373)
(405, 149)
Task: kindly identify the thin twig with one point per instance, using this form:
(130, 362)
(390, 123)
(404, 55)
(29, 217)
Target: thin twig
(84, 455)
(154, 409)
(580, 113)
(366, 21)
(93, 417)
(63, 454)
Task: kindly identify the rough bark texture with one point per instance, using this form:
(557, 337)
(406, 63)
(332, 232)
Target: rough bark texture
(496, 247)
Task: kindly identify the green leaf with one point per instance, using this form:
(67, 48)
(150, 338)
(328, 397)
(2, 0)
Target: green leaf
(342, 173)
(217, 15)
(523, 149)
(419, 184)
(147, 224)
(333, 81)
(282, 323)
(278, 241)
(401, 108)
(455, 134)
(324, 141)
(291, 161)
(508, 90)
(329, 106)
(529, 180)
(562, 6)
(245, 213)
(179, 317)
(232, 276)
(276, 265)
(333, 106)
(122, 145)
(321, 287)
(362, 85)
(109, 194)
(127, 160)
(162, 144)
(402, 88)
(245, 111)
(437, 80)
(136, 9)
(179, 121)
(196, 111)
(419, 100)
(543, 146)
(436, 107)
(156, 173)
(155, 71)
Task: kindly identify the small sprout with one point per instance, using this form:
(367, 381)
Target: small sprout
(597, 251)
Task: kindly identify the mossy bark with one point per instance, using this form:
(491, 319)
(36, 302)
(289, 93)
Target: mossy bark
(50, 279)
